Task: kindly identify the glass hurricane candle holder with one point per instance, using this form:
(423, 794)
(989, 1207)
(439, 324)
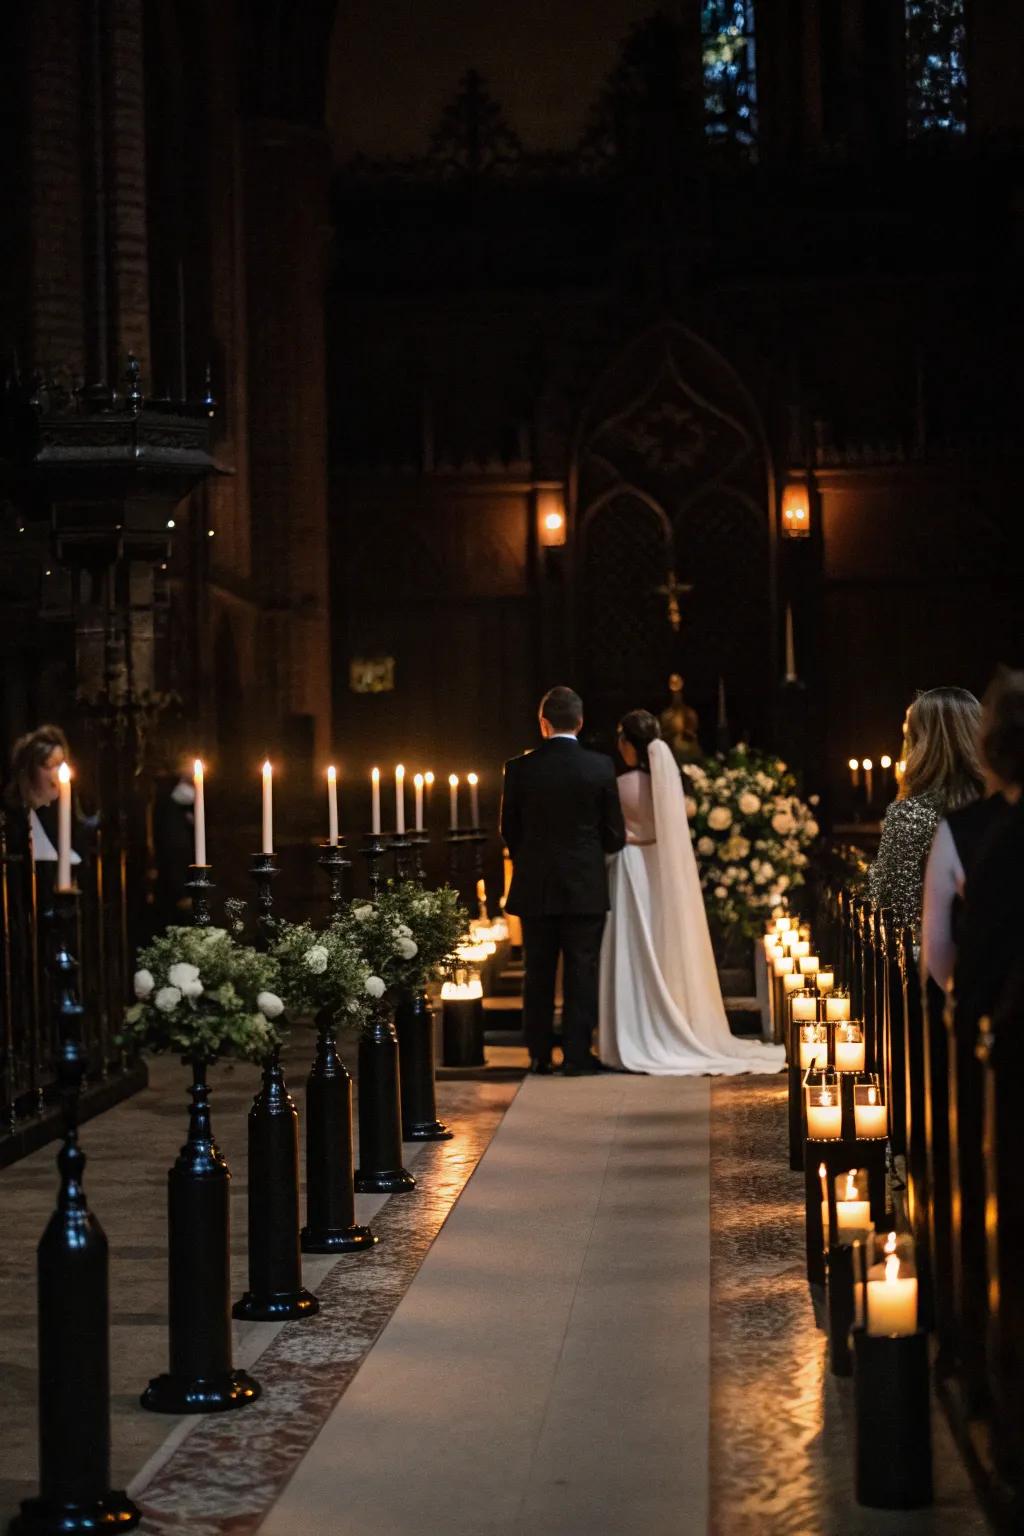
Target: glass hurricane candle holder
(890, 1309)
(464, 986)
(853, 1206)
(783, 964)
(809, 965)
(801, 948)
(790, 940)
(792, 982)
(825, 979)
(849, 1047)
(782, 924)
(870, 1119)
(804, 931)
(813, 1046)
(824, 1111)
(837, 1005)
(803, 1006)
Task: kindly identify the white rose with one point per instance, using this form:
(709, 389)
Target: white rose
(811, 827)
(362, 913)
(706, 845)
(143, 983)
(182, 976)
(403, 931)
(691, 807)
(782, 884)
(167, 999)
(406, 948)
(720, 818)
(315, 959)
(749, 803)
(375, 986)
(743, 877)
(782, 822)
(270, 1005)
(721, 892)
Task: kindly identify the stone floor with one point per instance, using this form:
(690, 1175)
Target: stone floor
(591, 1316)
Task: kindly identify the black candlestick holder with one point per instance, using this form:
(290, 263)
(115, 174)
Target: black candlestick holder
(420, 843)
(333, 861)
(401, 849)
(264, 871)
(457, 840)
(74, 1340)
(476, 839)
(373, 850)
(201, 887)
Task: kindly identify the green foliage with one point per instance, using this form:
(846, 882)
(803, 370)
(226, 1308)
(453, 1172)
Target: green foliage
(407, 936)
(321, 969)
(203, 995)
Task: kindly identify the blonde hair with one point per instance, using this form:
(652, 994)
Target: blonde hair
(941, 739)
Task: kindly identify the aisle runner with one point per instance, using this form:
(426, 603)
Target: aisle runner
(223, 1478)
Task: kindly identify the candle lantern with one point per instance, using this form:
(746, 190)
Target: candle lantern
(813, 1046)
(790, 940)
(891, 1389)
(783, 965)
(792, 982)
(825, 979)
(849, 1048)
(801, 948)
(837, 1005)
(782, 924)
(852, 1206)
(463, 1018)
(796, 510)
(824, 1110)
(870, 1116)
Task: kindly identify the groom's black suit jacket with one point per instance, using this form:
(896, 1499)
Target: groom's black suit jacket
(560, 815)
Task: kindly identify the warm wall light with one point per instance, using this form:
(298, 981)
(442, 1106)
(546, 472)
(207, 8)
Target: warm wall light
(796, 510)
(550, 516)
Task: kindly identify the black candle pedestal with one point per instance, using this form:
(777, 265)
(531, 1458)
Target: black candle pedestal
(476, 839)
(201, 887)
(401, 851)
(457, 842)
(373, 850)
(330, 1203)
(840, 1307)
(333, 862)
(414, 1022)
(275, 1292)
(380, 1170)
(893, 1420)
(72, 1287)
(462, 1024)
(264, 871)
(202, 1377)
(837, 1157)
(796, 1117)
(420, 843)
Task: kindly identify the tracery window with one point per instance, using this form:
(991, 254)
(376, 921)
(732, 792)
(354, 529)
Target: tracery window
(936, 67)
(730, 73)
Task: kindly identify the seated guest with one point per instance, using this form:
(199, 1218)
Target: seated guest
(942, 773)
(988, 961)
(31, 795)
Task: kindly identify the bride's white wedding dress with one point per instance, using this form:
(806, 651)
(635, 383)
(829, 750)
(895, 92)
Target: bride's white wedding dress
(661, 1008)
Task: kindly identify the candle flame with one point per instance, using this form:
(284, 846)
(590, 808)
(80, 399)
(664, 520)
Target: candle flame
(851, 1185)
(453, 780)
(400, 771)
(890, 1243)
(892, 1268)
(872, 1095)
(428, 778)
(332, 775)
(64, 774)
(826, 1098)
(867, 764)
(375, 775)
(267, 770)
(854, 763)
(418, 780)
(822, 1171)
(885, 762)
(471, 778)
(197, 768)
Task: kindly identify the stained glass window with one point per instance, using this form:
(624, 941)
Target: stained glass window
(730, 76)
(936, 67)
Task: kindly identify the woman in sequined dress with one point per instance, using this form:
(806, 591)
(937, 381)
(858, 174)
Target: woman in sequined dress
(942, 773)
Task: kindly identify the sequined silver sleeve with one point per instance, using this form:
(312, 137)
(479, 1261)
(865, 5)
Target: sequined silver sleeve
(896, 878)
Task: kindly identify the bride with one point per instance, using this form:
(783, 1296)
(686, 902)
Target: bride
(661, 1007)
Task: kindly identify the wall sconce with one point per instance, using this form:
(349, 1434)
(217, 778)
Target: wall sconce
(796, 510)
(550, 516)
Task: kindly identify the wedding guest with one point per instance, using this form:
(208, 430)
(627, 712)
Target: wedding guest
(942, 773)
(989, 978)
(30, 799)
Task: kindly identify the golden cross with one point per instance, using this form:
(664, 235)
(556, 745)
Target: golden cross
(674, 590)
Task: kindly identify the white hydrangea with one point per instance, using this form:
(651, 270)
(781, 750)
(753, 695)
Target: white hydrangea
(185, 979)
(362, 913)
(167, 999)
(270, 1005)
(403, 931)
(375, 986)
(211, 935)
(720, 818)
(706, 845)
(782, 822)
(406, 948)
(315, 959)
(691, 807)
(749, 803)
(143, 983)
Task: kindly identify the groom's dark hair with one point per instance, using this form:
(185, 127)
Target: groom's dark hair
(562, 708)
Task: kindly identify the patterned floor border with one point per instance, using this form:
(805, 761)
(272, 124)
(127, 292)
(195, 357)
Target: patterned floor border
(225, 1475)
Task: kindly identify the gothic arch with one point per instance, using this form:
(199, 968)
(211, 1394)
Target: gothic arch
(670, 431)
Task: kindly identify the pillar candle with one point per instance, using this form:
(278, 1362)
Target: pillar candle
(332, 806)
(805, 1008)
(892, 1301)
(375, 802)
(870, 1119)
(853, 1212)
(854, 774)
(199, 814)
(783, 965)
(64, 829)
(801, 949)
(453, 798)
(474, 799)
(808, 965)
(825, 980)
(849, 1055)
(792, 982)
(418, 786)
(268, 808)
(400, 799)
(812, 1049)
(837, 1007)
(869, 778)
(783, 924)
(822, 1175)
(825, 1119)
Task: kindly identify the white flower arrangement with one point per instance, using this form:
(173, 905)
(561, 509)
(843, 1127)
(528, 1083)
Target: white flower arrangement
(375, 986)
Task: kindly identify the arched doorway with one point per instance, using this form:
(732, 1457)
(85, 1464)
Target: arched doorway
(670, 490)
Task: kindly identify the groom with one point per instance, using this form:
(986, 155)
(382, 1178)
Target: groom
(560, 815)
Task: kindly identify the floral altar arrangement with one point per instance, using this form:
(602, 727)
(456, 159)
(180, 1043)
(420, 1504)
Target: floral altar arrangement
(751, 834)
(203, 995)
(321, 969)
(405, 937)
